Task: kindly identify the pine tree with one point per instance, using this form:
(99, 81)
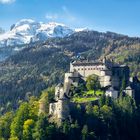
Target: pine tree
(89, 108)
(17, 123)
(40, 128)
(84, 132)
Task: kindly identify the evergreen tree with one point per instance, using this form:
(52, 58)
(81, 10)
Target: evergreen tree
(102, 100)
(40, 128)
(51, 132)
(93, 83)
(5, 122)
(89, 108)
(123, 86)
(84, 132)
(18, 121)
(74, 131)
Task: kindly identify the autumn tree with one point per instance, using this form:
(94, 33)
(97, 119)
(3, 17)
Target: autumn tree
(27, 129)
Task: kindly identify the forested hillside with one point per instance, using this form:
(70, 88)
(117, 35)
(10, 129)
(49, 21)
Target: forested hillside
(108, 120)
(41, 65)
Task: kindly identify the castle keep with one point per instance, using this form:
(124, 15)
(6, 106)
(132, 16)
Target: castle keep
(110, 74)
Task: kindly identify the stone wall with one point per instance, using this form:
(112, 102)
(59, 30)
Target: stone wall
(59, 110)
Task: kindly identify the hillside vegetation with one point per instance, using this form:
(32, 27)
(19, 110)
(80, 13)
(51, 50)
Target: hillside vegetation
(41, 65)
(107, 120)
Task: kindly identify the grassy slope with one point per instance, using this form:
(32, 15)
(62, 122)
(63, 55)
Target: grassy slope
(87, 96)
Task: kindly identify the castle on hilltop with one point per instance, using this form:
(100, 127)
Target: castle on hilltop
(110, 76)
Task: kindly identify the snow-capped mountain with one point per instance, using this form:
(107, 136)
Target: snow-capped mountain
(26, 31)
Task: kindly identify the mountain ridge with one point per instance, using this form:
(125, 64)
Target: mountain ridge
(26, 31)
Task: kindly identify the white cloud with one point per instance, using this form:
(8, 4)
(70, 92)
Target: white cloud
(7, 1)
(67, 13)
(51, 16)
(64, 15)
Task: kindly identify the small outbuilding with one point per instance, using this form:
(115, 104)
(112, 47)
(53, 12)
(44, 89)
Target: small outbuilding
(111, 92)
(130, 91)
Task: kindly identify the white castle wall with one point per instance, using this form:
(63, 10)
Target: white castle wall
(53, 109)
(112, 93)
(68, 80)
(129, 91)
(59, 110)
(85, 71)
(58, 92)
(99, 70)
(105, 81)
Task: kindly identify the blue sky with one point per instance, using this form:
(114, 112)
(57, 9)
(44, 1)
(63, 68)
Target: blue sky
(121, 16)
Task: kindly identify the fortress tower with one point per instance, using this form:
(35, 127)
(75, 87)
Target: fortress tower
(59, 110)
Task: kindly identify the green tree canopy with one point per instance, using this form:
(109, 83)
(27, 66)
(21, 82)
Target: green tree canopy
(93, 83)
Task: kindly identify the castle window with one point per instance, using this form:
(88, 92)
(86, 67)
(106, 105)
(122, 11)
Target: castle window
(88, 68)
(82, 69)
(78, 69)
(85, 69)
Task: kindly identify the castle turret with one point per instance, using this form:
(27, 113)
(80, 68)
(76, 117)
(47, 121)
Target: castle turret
(59, 110)
(104, 60)
(59, 91)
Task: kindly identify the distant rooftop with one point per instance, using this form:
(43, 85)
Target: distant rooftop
(86, 62)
